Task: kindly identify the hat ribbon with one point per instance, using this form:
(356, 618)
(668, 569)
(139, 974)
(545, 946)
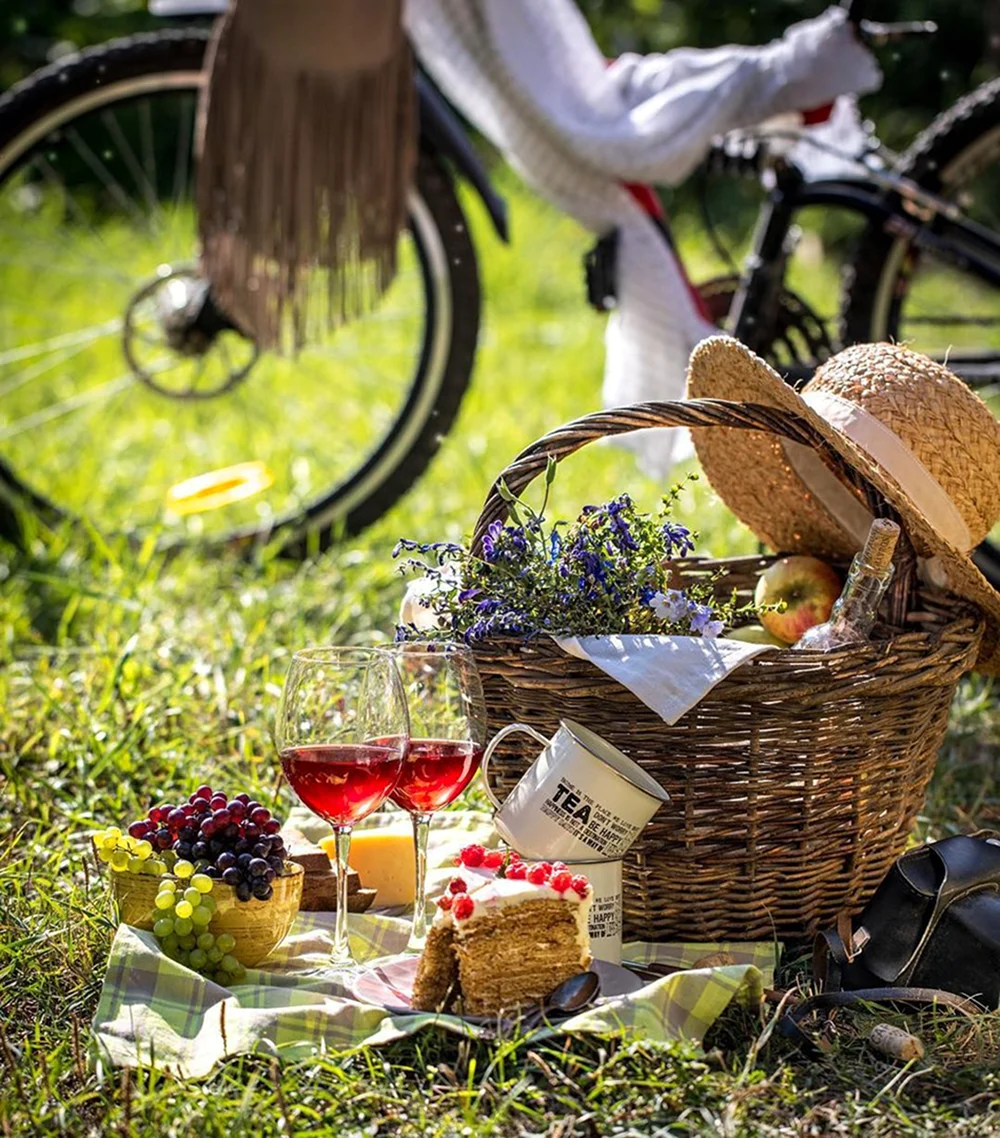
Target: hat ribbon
(891, 453)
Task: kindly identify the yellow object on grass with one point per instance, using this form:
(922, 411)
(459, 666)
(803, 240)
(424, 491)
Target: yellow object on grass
(385, 862)
(217, 488)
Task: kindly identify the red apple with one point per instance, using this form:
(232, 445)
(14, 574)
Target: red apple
(808, 587)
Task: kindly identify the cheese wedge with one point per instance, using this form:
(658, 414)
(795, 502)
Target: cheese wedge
(385, 861)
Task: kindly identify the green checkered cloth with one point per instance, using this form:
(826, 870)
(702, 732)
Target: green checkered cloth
(155, 1012)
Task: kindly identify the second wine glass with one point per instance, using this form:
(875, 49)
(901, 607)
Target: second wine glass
(448, 730)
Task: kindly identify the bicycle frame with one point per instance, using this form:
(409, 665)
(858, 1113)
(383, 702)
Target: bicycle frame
(896, 203)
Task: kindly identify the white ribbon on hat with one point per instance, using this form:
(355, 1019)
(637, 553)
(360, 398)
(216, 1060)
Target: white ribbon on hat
(892, 454)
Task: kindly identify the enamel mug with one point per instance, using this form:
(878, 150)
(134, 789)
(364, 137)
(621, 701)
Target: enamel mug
(580, 800)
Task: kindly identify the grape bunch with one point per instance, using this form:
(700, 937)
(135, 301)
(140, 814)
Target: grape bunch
(235, 841)
(126, 854)
(180, 924)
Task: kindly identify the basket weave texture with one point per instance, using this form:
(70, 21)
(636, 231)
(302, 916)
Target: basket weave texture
(794, 784)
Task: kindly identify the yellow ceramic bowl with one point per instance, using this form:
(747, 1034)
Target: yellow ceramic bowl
(258, 926)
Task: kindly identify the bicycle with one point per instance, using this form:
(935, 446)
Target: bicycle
(95, 163)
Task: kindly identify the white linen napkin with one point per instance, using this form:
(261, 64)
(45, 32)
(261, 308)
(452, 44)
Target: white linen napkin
(670, 674)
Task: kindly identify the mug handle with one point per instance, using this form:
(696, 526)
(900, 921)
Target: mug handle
(491, 746)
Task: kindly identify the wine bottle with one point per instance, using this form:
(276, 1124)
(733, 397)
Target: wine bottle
(855, 610)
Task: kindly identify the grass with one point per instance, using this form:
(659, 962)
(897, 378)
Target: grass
(125, 674)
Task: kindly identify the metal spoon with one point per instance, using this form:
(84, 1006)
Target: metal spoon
(567, 998)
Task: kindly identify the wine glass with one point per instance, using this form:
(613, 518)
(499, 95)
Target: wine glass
(342, 732)
(448, 731)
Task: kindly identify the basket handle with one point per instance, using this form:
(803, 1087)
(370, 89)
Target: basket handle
(565, 440)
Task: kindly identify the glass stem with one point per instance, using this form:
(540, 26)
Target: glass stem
(421, 830)
(341, 944)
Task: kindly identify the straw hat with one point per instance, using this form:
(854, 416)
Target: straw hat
(912, 428)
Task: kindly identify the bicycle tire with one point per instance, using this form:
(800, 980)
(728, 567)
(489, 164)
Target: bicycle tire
(869, 307)
(452, 313)
(927, 161)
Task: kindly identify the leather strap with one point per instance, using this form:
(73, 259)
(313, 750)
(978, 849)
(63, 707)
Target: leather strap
(790, 1027)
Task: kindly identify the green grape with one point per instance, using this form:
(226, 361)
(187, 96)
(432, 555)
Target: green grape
(206, 941)
(173, 953)
(203, 883)
(169, 856)
(169, 944)
(183, 908)
(183, 869)
(198, 959)
(143, 849)
(183, 958)
(119, 860)
(215, 955)
(187, 941)
(104, 855)
(201, 915)
(169, 885)
(226, 941)
(163, 927)
(149, 869)
(135, 865)
(209, 902)
(164, 900)
(157, 866)
(192, 896)
(229, 963)
(239, 973)
(183, 925)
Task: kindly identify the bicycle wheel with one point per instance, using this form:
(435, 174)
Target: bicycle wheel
(893, 291)
(125, 399)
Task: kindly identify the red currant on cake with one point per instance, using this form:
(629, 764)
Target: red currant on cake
(539, 874)
(492, 859)
(471, 856)
(463, 906)
(516, 871)
(561, 881)
(457, 885)
(444, 902)
(580, 885)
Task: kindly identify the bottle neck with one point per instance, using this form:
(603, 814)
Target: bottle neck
(857, 605)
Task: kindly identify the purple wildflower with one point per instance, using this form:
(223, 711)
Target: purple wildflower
(677, 538)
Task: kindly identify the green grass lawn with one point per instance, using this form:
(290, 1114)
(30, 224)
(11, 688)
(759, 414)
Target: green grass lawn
(126, 676)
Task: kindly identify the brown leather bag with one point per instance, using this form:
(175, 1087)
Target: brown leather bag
(307, 140)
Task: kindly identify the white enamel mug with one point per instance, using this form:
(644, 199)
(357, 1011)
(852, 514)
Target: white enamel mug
(580, 800)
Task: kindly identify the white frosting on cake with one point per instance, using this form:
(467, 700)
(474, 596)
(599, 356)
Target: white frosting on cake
(495, 893)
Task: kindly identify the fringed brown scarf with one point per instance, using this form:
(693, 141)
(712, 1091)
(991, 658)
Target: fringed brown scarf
(307, 147)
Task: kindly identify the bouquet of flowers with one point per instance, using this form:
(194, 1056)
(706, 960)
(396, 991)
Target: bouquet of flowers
(607, 572)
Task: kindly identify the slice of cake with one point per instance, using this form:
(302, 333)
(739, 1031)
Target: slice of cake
(504, 942)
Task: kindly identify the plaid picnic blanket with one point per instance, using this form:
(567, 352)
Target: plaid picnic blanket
(155, 1012)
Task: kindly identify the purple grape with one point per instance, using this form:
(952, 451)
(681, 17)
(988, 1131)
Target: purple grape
(243, 861)
(221, 818)
(176, 818)
(201, 808)
(257, 867)
(271, 827)
(242, 846)
(203, 791)
(211, 871)
(232, 832)
(270, 875)
(225, 860)
(262, 890)
(208, 827)
(261, 849)
(162, 839)
(251, 832)
(260, 815)
(139, 829)
(232, 876)
(188, 833)
(215, 847)
(276, 863)
(183, 850)
(218, 800)
(199, 849)
(243, 797)
(237, 809)
(243, 891)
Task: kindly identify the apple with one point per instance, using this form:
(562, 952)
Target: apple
(808, 587)
(755, 634)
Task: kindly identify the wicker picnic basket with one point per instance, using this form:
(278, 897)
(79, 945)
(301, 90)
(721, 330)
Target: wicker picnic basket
(795, 782)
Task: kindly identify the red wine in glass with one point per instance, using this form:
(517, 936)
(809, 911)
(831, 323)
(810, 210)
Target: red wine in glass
(435, 772)
(343, 782)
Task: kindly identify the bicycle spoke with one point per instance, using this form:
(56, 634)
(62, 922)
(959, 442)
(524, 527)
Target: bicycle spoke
(68, 339)
(110, 182)
(142, 182)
